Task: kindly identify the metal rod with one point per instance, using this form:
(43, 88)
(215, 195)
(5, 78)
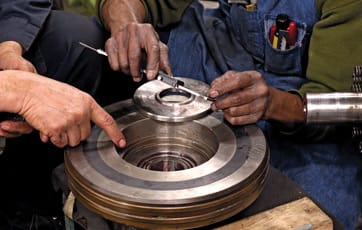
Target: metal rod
(333, 108)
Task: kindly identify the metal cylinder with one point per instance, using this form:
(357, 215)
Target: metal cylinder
(333, 108)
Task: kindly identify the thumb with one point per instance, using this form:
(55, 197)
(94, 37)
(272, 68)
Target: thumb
(30, 67)
(105, 121)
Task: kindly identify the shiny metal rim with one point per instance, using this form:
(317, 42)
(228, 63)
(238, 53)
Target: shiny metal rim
(160, 101)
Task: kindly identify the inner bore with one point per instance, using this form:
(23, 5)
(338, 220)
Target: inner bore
(159, 146)
(174, 96)
(167, 161)
(165, 154)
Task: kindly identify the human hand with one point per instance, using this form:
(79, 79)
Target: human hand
(61, 113)
(243, 96)
(11, 57)
(127, 47)
(9, 128)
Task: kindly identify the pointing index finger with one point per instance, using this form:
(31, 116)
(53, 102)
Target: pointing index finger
(105, 121)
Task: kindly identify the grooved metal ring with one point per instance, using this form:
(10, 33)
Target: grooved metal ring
(109, 182)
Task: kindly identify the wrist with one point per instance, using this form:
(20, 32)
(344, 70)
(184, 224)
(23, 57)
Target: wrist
(12, 90)
(131, 11)
(285, 107)
(272, 105)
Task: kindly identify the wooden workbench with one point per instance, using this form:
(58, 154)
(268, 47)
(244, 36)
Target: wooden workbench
(282, 205)
(302, 214)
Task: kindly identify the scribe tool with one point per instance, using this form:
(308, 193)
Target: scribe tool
(99, 51)
(161, 77)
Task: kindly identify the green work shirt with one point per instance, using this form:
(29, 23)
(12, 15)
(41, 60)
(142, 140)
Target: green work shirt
(335, 46)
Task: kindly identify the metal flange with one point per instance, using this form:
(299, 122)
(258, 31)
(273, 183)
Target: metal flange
(170, 175)
(162, 102)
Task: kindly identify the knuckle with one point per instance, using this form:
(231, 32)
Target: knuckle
(155, 47)
(235, 99)
(232, 111)
(57, 141)
(134, 56)
(258, 108)
(163, 47)
(124, 67)
(264, 90)
(130, 27)
(89, 101)
(258, 75)
(108, 120)
(245, 79)
(147, 28)
(72, 143)
(230, 74)
(233, 120)
(55, 128)
(114, 66)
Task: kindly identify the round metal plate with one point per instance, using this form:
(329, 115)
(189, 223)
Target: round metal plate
(162, 102)
(193, 173)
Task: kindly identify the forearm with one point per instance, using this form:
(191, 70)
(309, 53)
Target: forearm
(162, 13)
(285, 108)
(130, 11)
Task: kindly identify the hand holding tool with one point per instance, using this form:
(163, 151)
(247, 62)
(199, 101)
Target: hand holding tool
(161, 76)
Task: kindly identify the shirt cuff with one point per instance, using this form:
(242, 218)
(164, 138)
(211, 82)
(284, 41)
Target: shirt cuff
(20, 30)
(99, 11)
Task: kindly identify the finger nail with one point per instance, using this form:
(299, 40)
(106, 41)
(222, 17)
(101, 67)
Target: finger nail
(150, 74)
(137, 79)
(213, 93)
(122, 143)
(4, 127)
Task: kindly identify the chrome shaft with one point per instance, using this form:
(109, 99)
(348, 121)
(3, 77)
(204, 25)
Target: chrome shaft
(333, 108)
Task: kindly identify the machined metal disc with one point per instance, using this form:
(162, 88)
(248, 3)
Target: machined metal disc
(179, 175)
(163, 102)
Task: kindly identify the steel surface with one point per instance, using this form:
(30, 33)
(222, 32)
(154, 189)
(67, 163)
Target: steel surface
(160, 101)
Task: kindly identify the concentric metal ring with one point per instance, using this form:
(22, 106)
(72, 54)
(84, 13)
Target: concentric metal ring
(162, 102)
(231, 167)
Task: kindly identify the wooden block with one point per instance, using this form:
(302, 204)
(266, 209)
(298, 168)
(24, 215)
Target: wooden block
(301, 214)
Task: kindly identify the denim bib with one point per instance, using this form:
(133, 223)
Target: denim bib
(209, 42)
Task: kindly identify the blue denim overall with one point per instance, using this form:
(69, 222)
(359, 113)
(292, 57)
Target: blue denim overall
(209, 42)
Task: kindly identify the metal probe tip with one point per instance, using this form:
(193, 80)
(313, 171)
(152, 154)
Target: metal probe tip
(99, 51)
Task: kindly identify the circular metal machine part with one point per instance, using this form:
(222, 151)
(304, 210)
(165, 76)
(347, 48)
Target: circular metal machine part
(162, 102)
(171, 175)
